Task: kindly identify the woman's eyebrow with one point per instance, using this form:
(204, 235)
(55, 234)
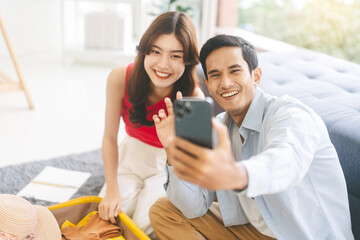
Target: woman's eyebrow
(156, 46)
(180, 51)
(172, 51)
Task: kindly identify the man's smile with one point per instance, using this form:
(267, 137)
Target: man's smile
(229, 94)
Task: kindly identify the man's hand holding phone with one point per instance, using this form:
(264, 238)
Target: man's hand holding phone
(213, 169)
(209, 168)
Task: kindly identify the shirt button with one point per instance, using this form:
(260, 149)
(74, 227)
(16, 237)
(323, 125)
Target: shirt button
(251, 133)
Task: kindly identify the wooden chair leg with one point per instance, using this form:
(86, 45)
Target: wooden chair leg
(22, 84)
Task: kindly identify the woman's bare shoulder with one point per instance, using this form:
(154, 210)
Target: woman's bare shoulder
(116, 78)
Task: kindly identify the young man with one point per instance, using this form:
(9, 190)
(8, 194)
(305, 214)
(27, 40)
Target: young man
(273, 174)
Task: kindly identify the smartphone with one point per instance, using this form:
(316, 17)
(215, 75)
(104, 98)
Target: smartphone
(193, 120)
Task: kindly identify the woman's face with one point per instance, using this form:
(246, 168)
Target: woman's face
(165, 64)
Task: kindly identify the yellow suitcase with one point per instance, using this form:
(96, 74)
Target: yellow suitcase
(76, 209)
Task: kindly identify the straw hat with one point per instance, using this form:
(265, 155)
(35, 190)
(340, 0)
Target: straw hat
(20, 218)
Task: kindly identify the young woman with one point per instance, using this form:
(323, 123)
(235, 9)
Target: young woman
(134, 170)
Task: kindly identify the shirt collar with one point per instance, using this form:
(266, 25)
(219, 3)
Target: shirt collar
(254, 115)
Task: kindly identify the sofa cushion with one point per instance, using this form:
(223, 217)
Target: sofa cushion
(332, 88)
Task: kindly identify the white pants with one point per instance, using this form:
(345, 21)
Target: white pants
(141, 177)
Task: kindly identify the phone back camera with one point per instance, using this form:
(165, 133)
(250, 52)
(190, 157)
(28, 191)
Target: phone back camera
(179, 114)
(179, 104)
(187, 108)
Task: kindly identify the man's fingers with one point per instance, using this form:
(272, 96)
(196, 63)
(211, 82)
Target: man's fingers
(185, 165)
(190, 147)
(183, 157)
(186, 173)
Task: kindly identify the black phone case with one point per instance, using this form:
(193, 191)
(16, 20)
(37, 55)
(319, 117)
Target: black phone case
(193, 120)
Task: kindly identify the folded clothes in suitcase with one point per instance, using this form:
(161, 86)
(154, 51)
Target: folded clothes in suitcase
(76, 209)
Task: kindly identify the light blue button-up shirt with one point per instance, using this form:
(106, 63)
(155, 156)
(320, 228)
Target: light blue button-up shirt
(294, 174)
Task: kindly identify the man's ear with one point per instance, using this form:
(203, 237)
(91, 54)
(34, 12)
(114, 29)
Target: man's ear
(206, 81)
(257, 76)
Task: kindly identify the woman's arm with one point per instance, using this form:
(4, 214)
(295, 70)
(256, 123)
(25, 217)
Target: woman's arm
(110, 206)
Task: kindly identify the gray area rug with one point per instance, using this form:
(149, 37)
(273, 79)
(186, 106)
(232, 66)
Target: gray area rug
(13, 178)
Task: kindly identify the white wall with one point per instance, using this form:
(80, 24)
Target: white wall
(33, 26)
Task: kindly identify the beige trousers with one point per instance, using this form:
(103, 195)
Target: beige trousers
(141, 178)
(169, 223)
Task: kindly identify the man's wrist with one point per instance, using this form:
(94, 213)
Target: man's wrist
(242, 179)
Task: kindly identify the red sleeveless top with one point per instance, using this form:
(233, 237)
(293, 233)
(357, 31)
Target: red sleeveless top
(143, 133)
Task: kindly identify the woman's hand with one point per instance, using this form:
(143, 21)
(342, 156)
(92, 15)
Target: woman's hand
(110, 206)
(165, 125)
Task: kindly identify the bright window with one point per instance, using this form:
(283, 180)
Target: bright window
(328, 26)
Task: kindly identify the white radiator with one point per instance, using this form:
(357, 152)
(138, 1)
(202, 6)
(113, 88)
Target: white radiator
(107, 30)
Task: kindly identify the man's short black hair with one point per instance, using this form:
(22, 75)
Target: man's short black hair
(223, 40)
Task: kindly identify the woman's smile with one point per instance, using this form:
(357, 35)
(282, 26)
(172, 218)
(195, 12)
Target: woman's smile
(162, 75)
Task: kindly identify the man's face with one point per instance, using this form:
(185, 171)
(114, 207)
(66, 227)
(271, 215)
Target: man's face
(230, 82)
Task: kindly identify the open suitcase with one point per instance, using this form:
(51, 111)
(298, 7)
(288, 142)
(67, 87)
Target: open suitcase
(74, 210)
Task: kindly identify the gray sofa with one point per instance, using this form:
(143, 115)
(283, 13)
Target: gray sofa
(332, 88)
